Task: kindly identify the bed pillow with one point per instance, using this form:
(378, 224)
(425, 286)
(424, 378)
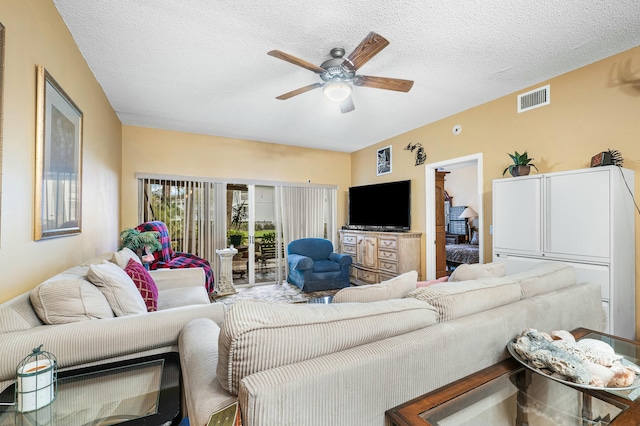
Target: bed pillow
(395, 288)
(144, 283)
(474, 271)
(118, 288)
(475, 239)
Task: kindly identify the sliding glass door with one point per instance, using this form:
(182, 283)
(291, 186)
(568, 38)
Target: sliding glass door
(258, 219)
(251, 229)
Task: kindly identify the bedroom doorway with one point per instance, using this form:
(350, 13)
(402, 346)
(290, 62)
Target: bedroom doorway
(475, 181)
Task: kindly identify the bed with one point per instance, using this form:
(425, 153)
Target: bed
(462, 253)
(458, 250)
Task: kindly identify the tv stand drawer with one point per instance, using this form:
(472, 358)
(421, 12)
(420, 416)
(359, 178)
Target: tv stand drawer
(367, 277)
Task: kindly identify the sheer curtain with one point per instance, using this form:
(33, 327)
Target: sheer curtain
(306, 212)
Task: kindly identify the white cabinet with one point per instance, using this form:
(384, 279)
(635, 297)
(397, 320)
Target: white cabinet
(581, 217)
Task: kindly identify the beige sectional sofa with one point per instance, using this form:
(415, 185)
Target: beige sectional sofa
(347, 363)
(67, 315)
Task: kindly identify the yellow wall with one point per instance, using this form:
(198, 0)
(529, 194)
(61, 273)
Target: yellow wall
(186, 154)
(592, 109)
(35, 34)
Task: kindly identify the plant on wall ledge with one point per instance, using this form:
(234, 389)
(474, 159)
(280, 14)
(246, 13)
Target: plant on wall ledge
(521, 164)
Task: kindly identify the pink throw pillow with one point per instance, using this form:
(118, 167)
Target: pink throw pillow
(428, 283)
(144, 283)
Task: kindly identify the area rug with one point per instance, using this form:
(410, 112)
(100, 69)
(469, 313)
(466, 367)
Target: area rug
(275, 293)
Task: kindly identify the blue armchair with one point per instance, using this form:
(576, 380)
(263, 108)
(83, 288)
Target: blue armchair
(313, 266)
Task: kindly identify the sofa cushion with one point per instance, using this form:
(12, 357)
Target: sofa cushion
(144, 283)
(458, 299)
(122, 257)
(258, 336)
(65, 299)
(474, 271)
(17, 314)
(544, 278)
(182, 296)
(325, 266)
(118, 288)
(395, 288)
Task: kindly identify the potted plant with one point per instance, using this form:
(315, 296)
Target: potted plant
(235, 236)
(140, 242)
(521, 164)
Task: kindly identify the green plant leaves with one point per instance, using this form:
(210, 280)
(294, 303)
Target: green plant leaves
(519, 160)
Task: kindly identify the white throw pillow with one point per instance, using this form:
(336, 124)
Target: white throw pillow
(466, 272)
(121, 258)
(62, 300)
(119, 289)
(395, 288)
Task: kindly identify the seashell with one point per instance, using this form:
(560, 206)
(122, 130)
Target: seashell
(596, 345)
(563, 335)
(590, 351)
(622, 376)
(600, 375)
(540, 353)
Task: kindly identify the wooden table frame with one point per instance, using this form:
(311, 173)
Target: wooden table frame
(408, 414)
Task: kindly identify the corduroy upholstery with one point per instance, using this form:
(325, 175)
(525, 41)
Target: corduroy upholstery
(394, 288)
(259, 335)
(167, 258)
(182, 297)
(355, 382)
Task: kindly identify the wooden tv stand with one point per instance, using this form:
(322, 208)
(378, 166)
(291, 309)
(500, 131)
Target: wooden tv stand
(379, 256)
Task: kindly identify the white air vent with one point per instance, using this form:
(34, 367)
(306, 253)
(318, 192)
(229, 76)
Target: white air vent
(534, 99)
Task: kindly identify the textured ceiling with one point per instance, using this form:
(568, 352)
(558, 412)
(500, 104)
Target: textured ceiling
(201, 66)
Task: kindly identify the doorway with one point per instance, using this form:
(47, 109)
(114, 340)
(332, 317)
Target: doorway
(474, 160)
(251, 229)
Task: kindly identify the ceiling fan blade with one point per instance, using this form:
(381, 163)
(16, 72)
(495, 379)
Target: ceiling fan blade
(347, 105)
(383, 83)
(299, 91)
(369, 47)
(296, 61)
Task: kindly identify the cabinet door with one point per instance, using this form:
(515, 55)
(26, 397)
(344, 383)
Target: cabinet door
(517, 215)
(577, 214)
(367, 251)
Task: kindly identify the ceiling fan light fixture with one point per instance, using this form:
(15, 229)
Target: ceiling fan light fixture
(337, 92)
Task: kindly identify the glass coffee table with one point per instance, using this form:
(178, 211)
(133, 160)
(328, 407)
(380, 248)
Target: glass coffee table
(507, 393)
(142, 391)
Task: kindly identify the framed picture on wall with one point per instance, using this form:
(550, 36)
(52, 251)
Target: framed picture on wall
(58, 209)
(384, 161)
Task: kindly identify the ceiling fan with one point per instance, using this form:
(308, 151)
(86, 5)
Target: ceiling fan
(339, 74)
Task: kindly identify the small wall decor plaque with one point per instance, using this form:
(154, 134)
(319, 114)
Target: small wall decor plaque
(421, 156)
(607, 158)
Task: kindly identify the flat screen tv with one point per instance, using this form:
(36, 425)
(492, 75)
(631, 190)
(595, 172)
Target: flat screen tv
(381, 207)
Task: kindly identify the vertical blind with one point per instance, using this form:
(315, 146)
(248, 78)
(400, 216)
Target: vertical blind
(195, 212)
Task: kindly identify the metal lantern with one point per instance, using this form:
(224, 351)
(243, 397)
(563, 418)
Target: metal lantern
(36, 381)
